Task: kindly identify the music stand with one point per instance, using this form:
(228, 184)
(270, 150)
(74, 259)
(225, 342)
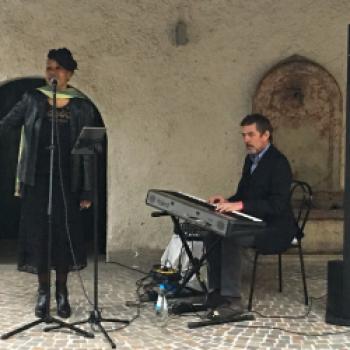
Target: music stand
(47, 317)
(89, 143)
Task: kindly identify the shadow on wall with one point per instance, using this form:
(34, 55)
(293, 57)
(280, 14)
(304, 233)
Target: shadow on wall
(10, 93)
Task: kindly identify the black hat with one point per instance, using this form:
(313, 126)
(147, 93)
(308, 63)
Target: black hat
(64, 58)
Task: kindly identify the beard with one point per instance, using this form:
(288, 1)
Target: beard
(251, 150)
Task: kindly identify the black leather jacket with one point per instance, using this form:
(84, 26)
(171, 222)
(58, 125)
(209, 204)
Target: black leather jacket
(29, 112)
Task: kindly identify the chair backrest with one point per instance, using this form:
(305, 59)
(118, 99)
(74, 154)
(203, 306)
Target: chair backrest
(301, 201)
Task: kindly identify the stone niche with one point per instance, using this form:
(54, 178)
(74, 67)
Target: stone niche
(304, 104)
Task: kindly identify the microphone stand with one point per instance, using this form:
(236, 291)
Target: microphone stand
(48, 318)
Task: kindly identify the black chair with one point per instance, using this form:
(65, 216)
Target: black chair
(301, 201)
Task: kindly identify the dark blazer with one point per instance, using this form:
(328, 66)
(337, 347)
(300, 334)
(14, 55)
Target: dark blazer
(29, 113)
(265, 194)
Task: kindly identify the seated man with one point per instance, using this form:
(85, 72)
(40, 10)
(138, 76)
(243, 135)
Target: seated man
(263, 191)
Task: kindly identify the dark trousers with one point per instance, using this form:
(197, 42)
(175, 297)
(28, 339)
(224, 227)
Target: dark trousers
(224, 263)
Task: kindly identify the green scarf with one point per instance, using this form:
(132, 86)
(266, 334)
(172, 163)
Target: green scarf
(70, 92)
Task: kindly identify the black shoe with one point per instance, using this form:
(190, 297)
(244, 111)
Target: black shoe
(63, 307)
(232, 307)
(215, 299)
(42, 301)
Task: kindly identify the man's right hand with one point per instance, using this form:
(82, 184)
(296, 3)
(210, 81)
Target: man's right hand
(217, 199)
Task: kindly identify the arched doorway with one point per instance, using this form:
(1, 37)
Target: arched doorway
(304, 103)
(10, 93)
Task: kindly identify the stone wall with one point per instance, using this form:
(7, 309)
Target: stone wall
(172, 112)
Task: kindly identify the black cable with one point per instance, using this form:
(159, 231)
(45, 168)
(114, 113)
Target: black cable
(139, 285)
(138, 305)
(127, 267)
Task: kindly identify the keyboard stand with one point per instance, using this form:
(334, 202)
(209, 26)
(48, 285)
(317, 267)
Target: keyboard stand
(195, 270)
(195, 263)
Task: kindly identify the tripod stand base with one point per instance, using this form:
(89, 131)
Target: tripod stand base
(48, 319)
(96, 319)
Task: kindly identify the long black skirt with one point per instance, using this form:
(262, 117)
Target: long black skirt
(67, 235)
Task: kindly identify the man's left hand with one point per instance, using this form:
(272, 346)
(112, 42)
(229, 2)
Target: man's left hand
(85, 204)
(229, 207)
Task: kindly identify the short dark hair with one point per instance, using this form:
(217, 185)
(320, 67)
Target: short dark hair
(262, 123)
(64, 58)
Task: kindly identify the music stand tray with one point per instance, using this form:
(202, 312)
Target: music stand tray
(89, 137)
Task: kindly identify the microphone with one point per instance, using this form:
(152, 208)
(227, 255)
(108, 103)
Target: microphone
(53, 81)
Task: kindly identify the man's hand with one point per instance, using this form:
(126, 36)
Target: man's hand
(217, 199)
(85, 204)
(229, 207)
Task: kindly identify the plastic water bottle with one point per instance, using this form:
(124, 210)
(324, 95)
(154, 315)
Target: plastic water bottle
(161, 307)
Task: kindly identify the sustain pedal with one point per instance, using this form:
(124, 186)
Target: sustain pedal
(221, 320)
(182, 308)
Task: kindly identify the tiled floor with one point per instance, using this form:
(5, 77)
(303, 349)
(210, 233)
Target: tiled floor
(117, 285)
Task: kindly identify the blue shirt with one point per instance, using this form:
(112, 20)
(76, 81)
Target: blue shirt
(255, 158)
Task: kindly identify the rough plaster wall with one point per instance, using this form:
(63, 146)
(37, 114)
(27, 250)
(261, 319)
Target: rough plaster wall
(171, 112)
(323, 236)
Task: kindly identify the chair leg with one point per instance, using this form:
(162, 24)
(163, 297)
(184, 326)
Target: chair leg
(252, 283)
(280, 272)
(302, 268)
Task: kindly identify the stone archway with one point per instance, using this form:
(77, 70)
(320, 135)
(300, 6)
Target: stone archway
(304, 103)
